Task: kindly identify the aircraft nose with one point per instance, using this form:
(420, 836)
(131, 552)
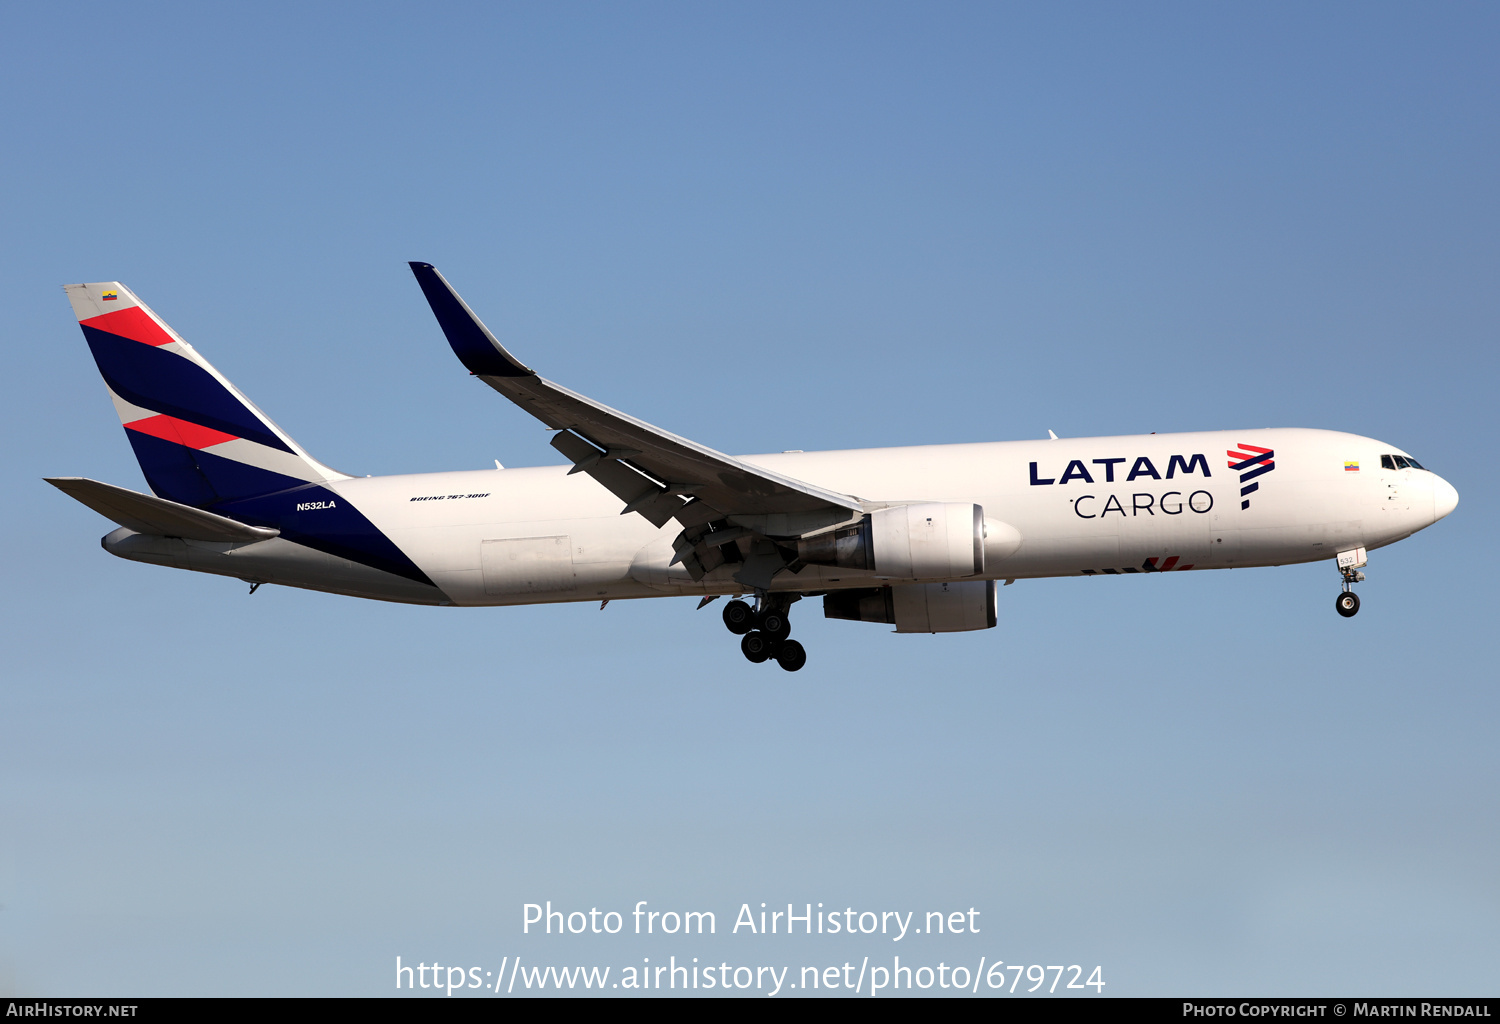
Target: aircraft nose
(1444, 498)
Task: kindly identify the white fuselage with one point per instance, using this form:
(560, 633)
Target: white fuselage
(1077, 505)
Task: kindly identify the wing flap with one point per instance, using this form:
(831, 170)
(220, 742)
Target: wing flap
(640, 493)
(157, 517)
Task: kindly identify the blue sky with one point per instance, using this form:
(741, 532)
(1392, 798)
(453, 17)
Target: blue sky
(763, 227)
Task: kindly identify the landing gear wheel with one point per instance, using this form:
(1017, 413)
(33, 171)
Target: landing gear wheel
(739, 617)
(791, 656)
(775, 625)
(756, 647)
(1347, 604)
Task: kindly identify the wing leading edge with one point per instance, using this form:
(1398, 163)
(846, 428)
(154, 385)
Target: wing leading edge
(716, 498)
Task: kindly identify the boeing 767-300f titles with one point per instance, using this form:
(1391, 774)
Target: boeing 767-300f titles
(914, 537)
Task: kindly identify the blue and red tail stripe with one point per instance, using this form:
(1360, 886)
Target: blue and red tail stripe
(169, 428)
(133, 322)
(162, 381)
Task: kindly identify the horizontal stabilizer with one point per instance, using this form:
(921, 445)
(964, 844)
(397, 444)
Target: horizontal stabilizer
(144, 513)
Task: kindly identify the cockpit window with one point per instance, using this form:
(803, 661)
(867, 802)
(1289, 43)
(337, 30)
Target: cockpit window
(1399, 462)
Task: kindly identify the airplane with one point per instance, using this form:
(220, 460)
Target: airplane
(914, 537)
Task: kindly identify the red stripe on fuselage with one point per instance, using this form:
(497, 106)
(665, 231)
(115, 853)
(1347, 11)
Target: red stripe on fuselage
(133, 323)
(169, 428)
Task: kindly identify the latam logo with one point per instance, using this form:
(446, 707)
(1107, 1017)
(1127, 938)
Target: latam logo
(1250, 462)
(1141, 467)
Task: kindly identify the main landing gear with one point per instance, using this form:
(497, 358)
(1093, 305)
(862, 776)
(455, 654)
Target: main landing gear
(764, 632)
(1349, 563)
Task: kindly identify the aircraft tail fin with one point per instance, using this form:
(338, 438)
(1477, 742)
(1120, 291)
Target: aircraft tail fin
(200, 442)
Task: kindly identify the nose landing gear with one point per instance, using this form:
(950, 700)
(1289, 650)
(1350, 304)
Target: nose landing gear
(1349, 563)
(764, 631)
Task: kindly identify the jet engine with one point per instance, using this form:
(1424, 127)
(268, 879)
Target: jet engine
(919, 607)
(926, 541)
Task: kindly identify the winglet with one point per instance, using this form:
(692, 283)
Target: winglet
(472, 341)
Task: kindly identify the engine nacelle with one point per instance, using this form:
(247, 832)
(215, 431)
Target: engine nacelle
(919, 607)
(929, 541)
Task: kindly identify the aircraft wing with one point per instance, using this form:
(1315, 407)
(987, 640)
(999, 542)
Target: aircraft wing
(656, 473)
(717, 498)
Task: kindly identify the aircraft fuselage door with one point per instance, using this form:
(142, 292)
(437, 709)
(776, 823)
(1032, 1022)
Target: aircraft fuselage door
(527, 565)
